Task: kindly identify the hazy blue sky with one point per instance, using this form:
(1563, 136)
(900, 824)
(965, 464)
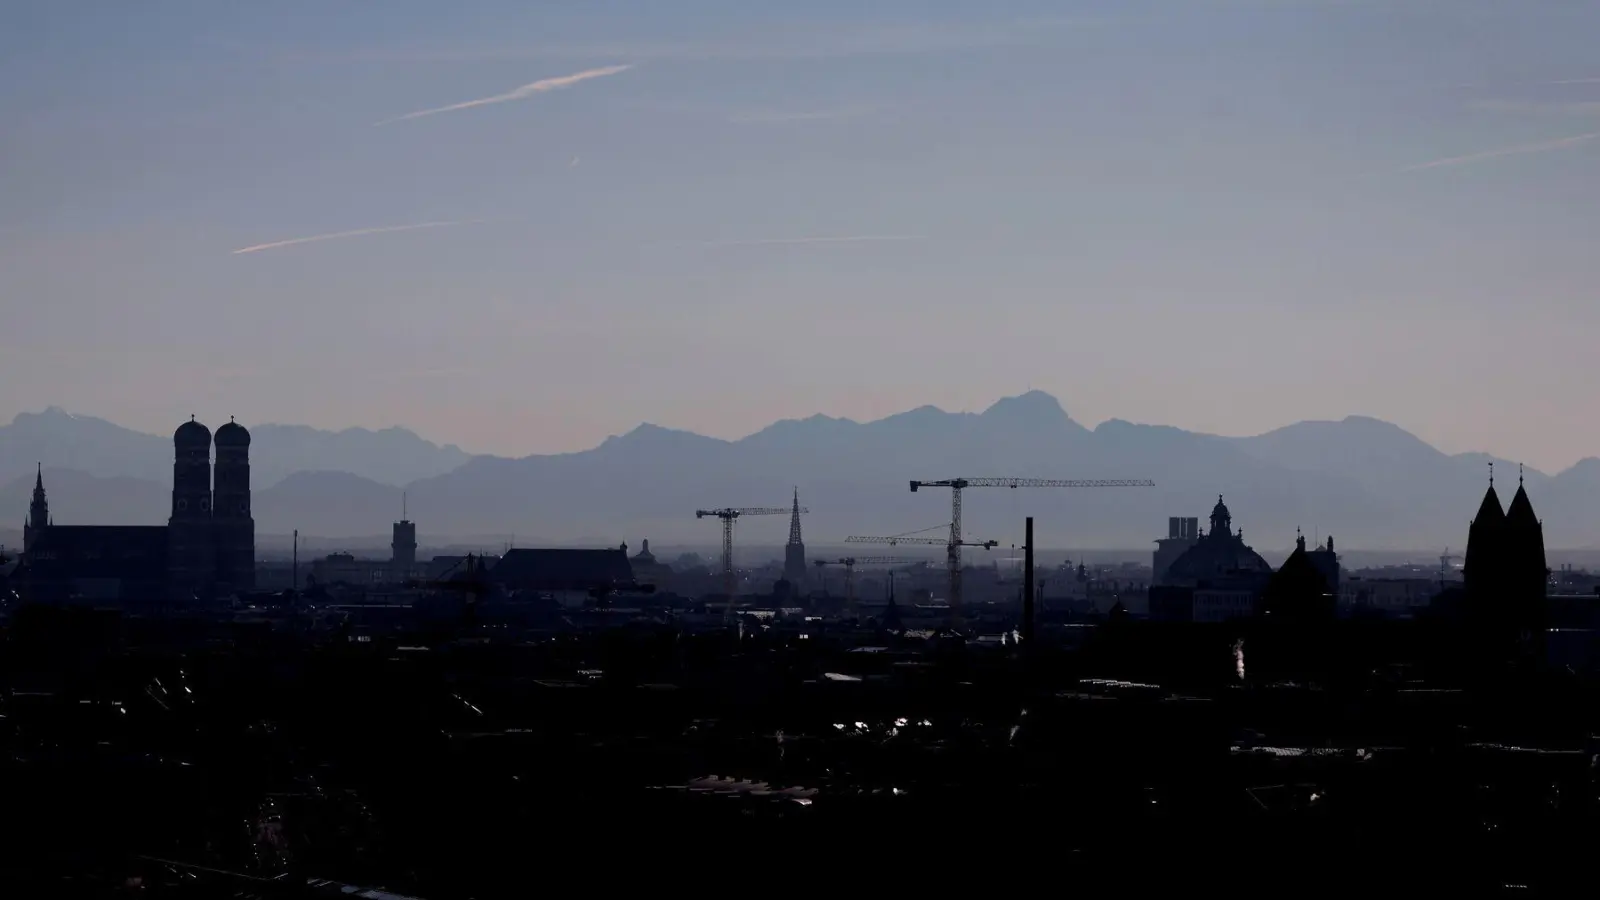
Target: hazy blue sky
(1217, 215)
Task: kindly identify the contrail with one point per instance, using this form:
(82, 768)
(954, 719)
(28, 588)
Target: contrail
(356, 233)
(779, 118)
(527, 90)
(1558, 144)
(846, 239)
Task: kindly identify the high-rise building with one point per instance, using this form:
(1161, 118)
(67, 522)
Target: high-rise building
(403, 545)
(1181, 535)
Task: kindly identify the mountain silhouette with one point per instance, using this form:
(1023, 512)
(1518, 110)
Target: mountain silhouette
(62, 440)
(1369, 482)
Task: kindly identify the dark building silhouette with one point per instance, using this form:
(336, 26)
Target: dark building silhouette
(1305, 589)
(233, 529)
(563, 571)
(794, 552)
(1506, 575)
(38, 512)
(95, 564)
(1181, 535)
(646, 567)
(206, 548)
(403, 544)
(191, 552)
(1218, 578)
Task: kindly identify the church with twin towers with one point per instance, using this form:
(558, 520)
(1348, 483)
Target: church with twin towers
(206, 550)
(211, 536)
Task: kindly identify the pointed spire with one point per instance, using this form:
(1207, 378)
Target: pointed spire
(1519, 474)
(1520, 512)
(794, 523)
(38, 478)
(1491, 473)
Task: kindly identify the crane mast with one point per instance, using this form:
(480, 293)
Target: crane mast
(953, 547)
(957, 485)
(850, 563)
(728, 515)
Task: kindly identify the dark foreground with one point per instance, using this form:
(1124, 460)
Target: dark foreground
(261, 767)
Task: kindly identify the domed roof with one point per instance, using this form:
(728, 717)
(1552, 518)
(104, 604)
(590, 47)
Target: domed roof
(1220, 510)
(1219, 552)
(233, 435)
(1220, 518)
(192, 433)
(1219, 555)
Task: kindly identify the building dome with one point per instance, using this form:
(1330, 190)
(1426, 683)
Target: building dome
(192, 434)
(1220, 552)
(1221, 520)
(1217, 555)
(233, 435)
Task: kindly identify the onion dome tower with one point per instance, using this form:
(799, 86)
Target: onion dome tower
(232, 527)
(191, 560)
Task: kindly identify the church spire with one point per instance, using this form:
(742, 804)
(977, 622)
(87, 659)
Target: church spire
(38, 511)
(794, 554)
(794, 520)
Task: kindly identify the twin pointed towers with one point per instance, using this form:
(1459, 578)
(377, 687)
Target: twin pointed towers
(1506, 573)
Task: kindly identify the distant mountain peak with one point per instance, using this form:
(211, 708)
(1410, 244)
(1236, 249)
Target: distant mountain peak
(649, 431)
(1032, 405)
(48, 414)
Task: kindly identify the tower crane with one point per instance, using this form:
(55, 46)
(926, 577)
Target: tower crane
(728, 514)
(953, 547)
(471, 582)
(957, 485)
(850, 563)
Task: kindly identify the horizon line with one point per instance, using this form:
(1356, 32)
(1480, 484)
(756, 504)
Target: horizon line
(446, 444)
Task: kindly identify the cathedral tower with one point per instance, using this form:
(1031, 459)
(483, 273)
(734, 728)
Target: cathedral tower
(38, 513)
(1484, 568)
(794, 552)
(1506, 573)
(232, 527)
(1528, 573)
(191, 559)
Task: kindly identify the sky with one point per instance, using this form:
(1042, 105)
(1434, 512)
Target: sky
(1224, 215)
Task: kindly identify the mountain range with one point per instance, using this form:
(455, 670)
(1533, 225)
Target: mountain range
(1370, 483)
